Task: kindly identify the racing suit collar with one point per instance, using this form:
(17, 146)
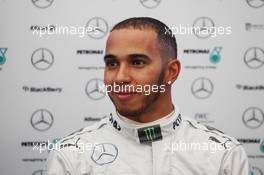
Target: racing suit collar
(138, 124)
(147, 132)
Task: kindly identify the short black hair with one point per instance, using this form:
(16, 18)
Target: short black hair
(166, 39)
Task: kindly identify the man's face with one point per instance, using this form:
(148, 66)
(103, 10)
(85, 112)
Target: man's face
(133, 58)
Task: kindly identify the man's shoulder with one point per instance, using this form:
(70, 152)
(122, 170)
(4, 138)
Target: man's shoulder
(83, 137)
(77, 148)
(217, 150)
(209, 135)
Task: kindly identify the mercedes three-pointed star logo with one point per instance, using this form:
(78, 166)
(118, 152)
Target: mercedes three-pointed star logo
(255, 3)
(253, 117)
(203, 27)
(202, 88)
(42, 3)
(94, 89)
(42, 59)
(254, 57)
(99, 27)
(104, 153)
(150, 3)
(41, 120)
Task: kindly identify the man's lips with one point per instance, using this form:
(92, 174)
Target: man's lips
(124, 95)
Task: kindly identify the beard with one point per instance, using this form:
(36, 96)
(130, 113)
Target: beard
(145, 103)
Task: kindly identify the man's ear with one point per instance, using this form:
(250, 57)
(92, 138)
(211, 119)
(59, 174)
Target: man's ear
(173, 70)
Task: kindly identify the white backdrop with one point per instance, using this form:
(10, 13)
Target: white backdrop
(44, 89)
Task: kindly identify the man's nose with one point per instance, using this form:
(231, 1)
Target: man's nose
(123, 75)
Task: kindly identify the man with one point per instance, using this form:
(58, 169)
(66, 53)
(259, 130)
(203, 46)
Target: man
(146, 134)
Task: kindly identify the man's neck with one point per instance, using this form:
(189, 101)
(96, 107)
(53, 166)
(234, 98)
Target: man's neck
(136, 123)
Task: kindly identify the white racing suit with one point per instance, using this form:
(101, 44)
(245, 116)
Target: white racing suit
(176, 146)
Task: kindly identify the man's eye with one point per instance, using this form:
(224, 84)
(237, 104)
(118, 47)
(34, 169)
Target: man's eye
(138, 62)
(111, 64)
